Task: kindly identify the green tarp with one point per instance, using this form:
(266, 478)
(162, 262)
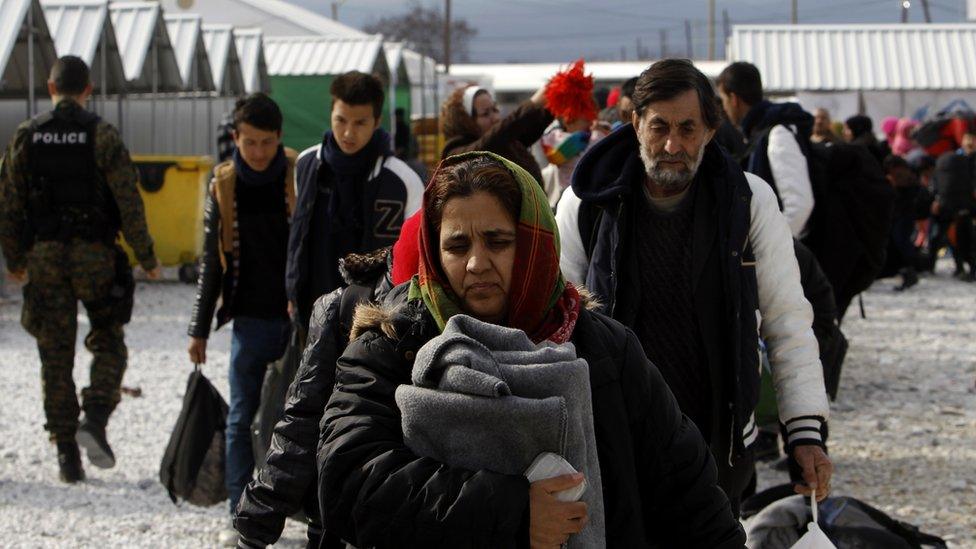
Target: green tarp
(307, 107)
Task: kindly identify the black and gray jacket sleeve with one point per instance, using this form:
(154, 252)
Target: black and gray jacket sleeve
(211, 272)
(287, 482)
(375, 492)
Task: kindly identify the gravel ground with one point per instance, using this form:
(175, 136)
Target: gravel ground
(903, 431)
(125, 506)
(903, 427)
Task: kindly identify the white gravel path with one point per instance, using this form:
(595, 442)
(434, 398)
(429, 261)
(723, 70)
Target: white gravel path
(903, 427)
(125, 506)
(903, 434)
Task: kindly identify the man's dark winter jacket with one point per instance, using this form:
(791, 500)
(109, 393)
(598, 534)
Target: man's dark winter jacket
(391, 193)
(658, 477)
(288, 481)
(953, 179)
(745, 282)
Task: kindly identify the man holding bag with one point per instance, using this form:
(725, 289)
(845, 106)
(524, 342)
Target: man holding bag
(247, 216)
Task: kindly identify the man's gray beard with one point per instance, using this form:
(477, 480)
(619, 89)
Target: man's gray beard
(670, 179)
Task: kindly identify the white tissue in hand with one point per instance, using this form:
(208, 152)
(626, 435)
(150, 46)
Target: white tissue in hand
(548, 465)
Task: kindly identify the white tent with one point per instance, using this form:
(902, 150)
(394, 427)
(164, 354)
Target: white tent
(422, 72)
(250, 51)
(147, 54)
(273, 17)
(186, 37)
(320, 56)
(83, 28)
(26, 57)
(225, 66)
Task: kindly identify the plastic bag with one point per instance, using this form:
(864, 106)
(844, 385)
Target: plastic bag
(814, 538)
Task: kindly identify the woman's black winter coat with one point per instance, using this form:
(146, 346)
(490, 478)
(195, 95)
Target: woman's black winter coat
(659, 480)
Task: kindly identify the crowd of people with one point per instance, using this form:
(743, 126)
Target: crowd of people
(682, 241)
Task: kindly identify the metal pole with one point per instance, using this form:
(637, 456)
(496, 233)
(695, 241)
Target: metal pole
(30, 62)
(447, 37)
(193, 107)
(904, 12)
(664, 42)
(335, 11)
(423, 86)
(925, 10)
(689, 47)
(793, 12)
(711, 29)
(726, 27)
(104, 68)
(152, 98)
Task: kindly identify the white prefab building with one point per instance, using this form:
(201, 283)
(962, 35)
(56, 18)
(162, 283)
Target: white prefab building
(898, 70)
(514, 82)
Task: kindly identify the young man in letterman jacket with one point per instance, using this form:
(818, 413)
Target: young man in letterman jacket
(353, 193)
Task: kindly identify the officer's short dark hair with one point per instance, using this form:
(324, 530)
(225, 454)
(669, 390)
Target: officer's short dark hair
(627, 90)
(668, 79)
(70, 75)
(742, 79)
(258, 110)
(358, 88)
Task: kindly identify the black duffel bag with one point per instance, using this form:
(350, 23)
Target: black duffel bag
(194, 462)
(274, 392)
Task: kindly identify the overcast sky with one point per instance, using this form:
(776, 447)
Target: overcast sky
(560, 30)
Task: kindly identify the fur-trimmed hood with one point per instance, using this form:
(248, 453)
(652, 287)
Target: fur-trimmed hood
(365, 268)
(391, 316)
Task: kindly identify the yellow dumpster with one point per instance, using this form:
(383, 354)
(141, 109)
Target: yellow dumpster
(173, 189)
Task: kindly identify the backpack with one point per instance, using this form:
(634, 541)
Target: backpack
(850, 224)
(192, 468)
(773, 518)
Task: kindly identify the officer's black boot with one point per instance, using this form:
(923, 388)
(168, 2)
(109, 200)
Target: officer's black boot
(91, 436)
(69, 462)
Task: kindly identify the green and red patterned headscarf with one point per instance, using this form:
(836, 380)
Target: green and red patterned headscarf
(541, 303)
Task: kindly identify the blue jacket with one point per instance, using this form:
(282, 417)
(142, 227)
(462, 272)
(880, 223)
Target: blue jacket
(392, 193)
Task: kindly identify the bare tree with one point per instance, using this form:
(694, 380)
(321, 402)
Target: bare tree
(424, 28)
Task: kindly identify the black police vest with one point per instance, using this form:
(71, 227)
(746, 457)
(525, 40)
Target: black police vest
(68, 197)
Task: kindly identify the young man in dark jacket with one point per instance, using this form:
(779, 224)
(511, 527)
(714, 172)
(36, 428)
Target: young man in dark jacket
(353, 193)
(246, 215)
(695, 256)
(954, 205)
(774, 132)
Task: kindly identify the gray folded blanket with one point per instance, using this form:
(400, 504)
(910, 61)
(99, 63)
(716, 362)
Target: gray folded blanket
(486, 397)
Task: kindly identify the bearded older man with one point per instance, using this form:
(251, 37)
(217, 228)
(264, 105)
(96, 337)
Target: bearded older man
(694, 255)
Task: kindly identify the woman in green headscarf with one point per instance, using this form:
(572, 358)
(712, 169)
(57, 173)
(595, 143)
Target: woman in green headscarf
(489, 249)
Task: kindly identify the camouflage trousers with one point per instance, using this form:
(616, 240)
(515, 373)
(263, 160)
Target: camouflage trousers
(59, 276)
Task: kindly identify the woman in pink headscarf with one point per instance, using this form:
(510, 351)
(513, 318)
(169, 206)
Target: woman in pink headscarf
(903, 143)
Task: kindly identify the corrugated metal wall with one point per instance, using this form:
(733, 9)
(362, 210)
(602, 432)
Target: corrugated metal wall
(183, 126)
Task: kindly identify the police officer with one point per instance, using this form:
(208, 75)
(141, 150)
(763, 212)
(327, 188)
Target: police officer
(68, 188)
